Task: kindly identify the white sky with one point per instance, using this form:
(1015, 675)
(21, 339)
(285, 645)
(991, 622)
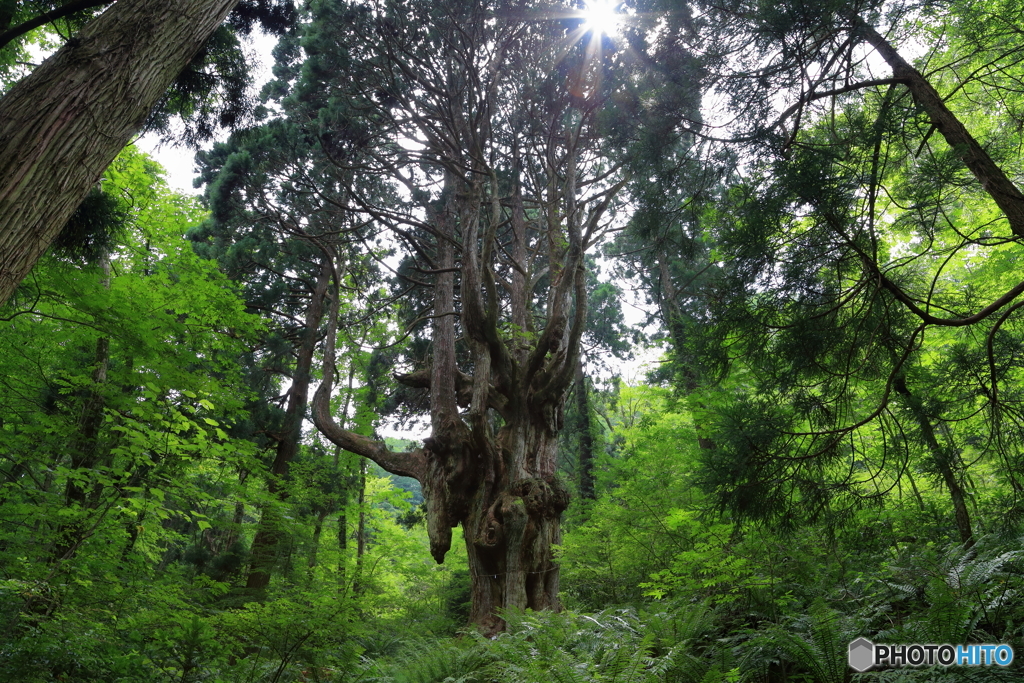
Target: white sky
(178, 160)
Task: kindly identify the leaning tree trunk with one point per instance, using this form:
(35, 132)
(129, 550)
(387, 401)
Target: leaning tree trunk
(62, 125)
(1007, 196)
(943, 459)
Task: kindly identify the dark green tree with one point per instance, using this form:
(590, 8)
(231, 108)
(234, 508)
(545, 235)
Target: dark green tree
(276, 228)
(496, 123)
(851, 245)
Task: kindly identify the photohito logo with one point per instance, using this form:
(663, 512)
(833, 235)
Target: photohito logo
(864, 654)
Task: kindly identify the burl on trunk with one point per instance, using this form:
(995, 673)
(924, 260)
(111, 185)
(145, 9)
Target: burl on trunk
(489, 463)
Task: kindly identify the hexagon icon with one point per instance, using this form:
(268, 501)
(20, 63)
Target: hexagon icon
(862, 654)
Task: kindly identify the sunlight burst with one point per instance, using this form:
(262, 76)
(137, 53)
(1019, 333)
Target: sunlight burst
(602, 17)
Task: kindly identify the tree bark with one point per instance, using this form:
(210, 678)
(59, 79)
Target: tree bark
(1006, 195)
(63, 124)
(447, 429)
(342, 546)
(490, 467)
(586, 454)
(268, 536)
(500, 487)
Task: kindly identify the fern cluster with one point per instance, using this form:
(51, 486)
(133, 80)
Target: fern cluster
(925, 595)
(612, 646)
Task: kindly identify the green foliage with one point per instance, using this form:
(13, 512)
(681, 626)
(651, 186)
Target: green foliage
(785, 601)
(17, 15)
(821, 650)
(852, 250)
(93, 229)
(791, 490)
(610, 646)
(625, 538)
(132, 477)
(449, 663)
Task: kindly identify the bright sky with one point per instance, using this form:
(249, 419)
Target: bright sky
(602, 16)
(178, 160)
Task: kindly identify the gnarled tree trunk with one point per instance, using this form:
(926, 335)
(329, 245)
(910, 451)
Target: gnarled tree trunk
(500, 486)
(521, 197)
(512, 523)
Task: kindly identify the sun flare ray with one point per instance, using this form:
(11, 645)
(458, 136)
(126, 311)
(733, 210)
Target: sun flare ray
(602, 17)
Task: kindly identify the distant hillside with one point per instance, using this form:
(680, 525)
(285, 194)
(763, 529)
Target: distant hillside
(405, 483)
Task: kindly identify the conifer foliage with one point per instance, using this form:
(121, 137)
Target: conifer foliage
(486, 126)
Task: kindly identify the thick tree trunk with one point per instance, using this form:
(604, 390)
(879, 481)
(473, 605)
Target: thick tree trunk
(268, 536)
(512, 525)
(501, 488)
(499, 483)
(62, 125)
(447, 433)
